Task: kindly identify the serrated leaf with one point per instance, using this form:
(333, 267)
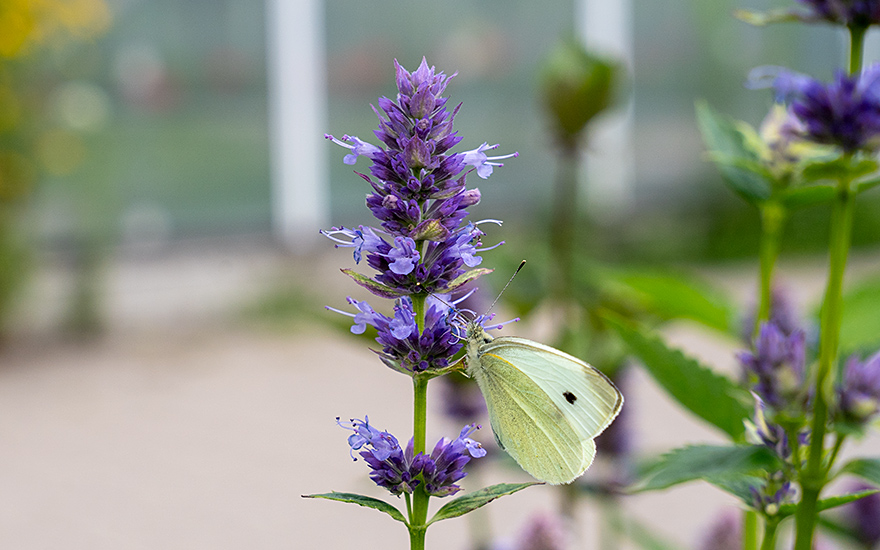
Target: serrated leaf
(860, 322)
(810, 195)
(759, 19)
(723, 138)
(464, 278)
(707, 462)
(790, 508)
(672, 296)
(697, 388)
(739, 485)
(373, 286)
(471, 501)
(865, 468)
(362, 500)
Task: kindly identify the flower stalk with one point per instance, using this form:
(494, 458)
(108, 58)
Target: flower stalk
(773, 217)
(814, 476)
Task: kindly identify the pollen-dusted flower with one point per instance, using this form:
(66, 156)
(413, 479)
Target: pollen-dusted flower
(844, 112)
(859, 393)
(775, 367)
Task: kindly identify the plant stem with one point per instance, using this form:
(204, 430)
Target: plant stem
(769, 542)
(813, 477)
(563, 221)
(750, 530)
(419, 514)
(773, 217)
(856, 47)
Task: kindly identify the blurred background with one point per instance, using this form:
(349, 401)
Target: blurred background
(168, 375)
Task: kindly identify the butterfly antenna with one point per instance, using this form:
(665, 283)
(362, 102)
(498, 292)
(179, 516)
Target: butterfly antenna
(521, 265)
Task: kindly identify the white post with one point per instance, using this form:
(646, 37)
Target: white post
(606, 29)
(297, 106)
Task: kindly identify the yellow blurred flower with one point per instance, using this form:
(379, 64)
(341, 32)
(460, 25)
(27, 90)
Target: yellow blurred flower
(28, 23)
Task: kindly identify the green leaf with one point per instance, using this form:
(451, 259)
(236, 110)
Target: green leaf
(760, 19)
(867, 185)
(838, 168)
(790, 508)
(860, 322)
(464, 278)
(375, 287)
(471, 501)
(723, 138)
(707, 462)
(361, 500)
(672, 296)
(705, 393)
(738, 485)
(865, 468)
(810, 195)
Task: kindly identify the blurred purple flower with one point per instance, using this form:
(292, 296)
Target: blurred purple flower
(844, 112)
(776, 365)
(863, 516)
(783, 314)
(859, 13)
(859, 393)
(543, 532)
(724, 534)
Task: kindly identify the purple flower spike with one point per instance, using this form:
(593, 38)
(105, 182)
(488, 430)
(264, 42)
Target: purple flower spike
(419, 192)
(859, 394)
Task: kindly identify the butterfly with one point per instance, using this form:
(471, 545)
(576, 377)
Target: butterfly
(545, 406)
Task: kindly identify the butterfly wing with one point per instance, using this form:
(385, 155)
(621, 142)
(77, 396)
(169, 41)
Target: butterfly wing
(545, 406)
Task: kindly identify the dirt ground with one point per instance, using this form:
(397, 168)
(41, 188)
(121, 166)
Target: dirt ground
(185, 427)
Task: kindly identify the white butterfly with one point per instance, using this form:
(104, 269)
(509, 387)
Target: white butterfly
(545, 406)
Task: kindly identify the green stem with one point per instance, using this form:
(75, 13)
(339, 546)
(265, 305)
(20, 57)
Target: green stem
(773, 217)
(769, 542)
(563, 220)
(856, 48)
(418, 517)
(813, 478)
(750, 530)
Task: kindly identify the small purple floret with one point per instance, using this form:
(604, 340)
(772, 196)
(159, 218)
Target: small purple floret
(776, 365)
(859, 394)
